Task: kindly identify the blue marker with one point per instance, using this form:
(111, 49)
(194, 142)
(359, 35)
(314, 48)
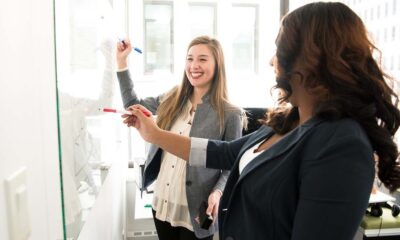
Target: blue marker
(137, 50)
(134, 48)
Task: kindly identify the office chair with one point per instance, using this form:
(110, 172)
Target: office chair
(253, 115)
(376, 209)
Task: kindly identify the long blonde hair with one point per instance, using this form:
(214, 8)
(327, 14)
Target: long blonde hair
(173, 103)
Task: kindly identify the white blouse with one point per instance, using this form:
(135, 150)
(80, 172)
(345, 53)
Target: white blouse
(169, 200)
(249, 156)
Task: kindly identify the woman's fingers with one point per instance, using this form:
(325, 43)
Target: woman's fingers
(210, 208)
(139, 110)
(143, 122)
(130, 120)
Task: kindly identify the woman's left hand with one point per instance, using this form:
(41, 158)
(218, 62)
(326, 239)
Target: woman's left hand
(213, 204)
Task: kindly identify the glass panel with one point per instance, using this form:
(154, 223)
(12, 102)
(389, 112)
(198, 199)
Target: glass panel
(202, 19)
(158, 37)
(244, 37)
(86, 32)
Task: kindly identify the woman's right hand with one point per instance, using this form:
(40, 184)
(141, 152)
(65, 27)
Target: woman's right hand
(123, 50)
(143, 121)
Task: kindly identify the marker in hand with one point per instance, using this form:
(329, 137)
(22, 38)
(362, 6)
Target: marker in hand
(111, 110)
(134, 48)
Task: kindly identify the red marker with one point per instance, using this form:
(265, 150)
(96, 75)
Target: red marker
(111, 110)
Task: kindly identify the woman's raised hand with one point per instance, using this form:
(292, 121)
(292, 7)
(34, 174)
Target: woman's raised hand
(124, 48)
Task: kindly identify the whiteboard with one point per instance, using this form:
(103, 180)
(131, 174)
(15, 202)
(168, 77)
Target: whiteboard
(90, 140)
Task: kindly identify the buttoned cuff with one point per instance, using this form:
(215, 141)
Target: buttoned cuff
(198, 152)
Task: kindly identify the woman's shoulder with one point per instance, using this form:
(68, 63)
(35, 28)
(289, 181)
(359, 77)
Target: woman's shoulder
(344, 125)
(232, 109)
(340, 129)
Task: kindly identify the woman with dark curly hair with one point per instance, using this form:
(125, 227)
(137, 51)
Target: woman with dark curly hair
(308, 172)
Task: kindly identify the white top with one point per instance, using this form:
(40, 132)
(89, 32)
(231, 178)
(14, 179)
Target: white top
(249, 156)
(169, 201)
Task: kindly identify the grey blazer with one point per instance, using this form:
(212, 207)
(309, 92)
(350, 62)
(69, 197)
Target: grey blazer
(200, 181)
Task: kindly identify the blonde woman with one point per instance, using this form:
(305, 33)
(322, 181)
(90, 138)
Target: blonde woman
(199, 107)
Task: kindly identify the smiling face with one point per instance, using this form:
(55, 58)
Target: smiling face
(200, 66)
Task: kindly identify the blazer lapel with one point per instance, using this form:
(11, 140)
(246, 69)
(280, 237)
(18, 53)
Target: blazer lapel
(279, 148)
(261, 134)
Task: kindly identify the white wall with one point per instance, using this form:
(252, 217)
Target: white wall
(28, 125)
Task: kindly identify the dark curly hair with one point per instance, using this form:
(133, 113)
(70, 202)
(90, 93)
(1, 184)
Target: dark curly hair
(327, 46)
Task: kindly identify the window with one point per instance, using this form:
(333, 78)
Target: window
(202, 19)
(398, 63)
(244, 36)
(386, 9)
(377, 35)
(163, 29)
(378, 12)
(158, 28)
(372, 14)
(392, 63)
(385, 35)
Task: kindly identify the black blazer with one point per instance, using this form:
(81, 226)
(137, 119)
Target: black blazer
(312, 184)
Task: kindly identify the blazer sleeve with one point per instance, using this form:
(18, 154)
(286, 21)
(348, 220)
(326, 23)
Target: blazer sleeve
(233, 130)
(222, 153)
(335, 184)
(129, 96)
